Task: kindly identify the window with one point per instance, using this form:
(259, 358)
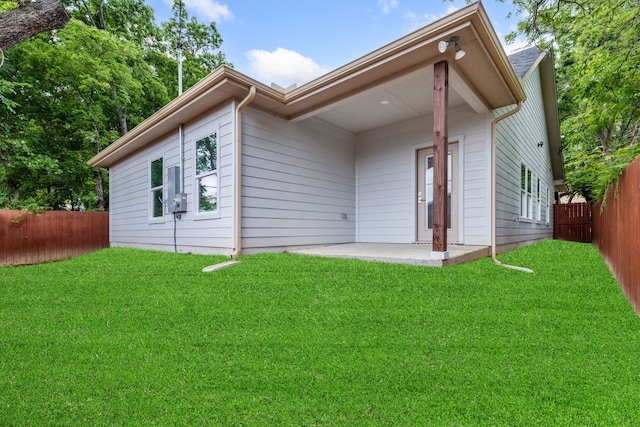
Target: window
(156, 191)
(207, 173)
(548, 204)
(430, 184)
(538, 200)
(526, 196)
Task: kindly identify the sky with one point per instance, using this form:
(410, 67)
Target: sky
(294, 41)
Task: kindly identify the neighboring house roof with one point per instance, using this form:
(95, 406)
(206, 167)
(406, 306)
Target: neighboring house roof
(401, 71)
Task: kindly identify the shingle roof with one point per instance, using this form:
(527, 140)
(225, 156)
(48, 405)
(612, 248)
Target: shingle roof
(523, 60)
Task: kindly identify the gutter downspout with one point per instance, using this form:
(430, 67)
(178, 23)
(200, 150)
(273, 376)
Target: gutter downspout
(181, 139)
(494, 124)
(238, 173)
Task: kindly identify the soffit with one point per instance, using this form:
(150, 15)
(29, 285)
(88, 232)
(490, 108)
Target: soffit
(485, 66)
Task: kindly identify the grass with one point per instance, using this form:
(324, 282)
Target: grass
(134, 337)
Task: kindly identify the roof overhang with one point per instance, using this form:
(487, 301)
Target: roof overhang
(483, 78)
(550, 98)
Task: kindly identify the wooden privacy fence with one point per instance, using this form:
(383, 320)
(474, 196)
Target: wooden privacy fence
(572, 222)
(28, 238)
(616, 231)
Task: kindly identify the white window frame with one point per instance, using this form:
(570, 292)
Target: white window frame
(538, 190)
(212, 175)
(156, 190)
(526, 193)
(548, 205)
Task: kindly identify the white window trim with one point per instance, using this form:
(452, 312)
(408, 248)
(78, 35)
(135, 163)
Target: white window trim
(538, 198)
(547, 205)
(152, 190)
(526, 197)
(196, 178)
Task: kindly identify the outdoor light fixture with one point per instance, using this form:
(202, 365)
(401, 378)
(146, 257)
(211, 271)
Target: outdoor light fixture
(540, 144)
(443, 45)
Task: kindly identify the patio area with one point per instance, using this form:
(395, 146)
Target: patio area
(417, 254)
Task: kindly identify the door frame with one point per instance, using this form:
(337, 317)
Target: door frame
(458, 139)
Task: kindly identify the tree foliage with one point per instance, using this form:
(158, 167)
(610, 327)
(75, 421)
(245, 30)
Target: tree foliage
(596, 44)
(66, 95)
(598, 83)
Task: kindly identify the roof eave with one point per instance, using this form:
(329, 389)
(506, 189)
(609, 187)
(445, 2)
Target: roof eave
(550, 98)
(218, 87)
(496, 51)
(415, 49)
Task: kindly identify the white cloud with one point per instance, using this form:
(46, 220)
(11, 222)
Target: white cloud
(513, 47)
(452, 8)
(387, 5)
(416, 21)
(283, 67)
(211, 9)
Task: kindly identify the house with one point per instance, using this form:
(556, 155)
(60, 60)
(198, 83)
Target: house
(435, 138)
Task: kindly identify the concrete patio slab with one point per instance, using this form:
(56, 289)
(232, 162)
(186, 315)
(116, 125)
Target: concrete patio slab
(416, 254)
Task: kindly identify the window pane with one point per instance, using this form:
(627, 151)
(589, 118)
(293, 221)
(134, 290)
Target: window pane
(206, 154)
(156, 173)
(529, 181)
(208, 193)
(523, 177)
(429, 185)
(157, 203)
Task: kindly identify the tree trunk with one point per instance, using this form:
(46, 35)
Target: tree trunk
(122, 117)
(98, 174)
(30, 19)
(99, 189)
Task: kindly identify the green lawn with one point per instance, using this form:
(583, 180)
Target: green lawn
(136, 337)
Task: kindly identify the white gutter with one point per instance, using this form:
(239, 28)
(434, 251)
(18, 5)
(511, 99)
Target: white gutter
(493, 189)
(238, 174)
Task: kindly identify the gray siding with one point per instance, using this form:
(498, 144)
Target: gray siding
(386, 178)
(307, 183)
(130, 222)
(298, 180)
(517, 142)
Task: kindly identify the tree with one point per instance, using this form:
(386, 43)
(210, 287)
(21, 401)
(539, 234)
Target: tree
(596, 44)
(599, 83)
(29, 19)
(201, 44)
(67, 94)
(80, 85)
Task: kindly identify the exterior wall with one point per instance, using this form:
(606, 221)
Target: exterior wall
(386, 178)
(298, 184)
(307, 183)
(130, 218)
(517, 142)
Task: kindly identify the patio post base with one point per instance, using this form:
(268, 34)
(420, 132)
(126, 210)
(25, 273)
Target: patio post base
(439, 254)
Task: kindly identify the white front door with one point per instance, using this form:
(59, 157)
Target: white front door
(425, 195)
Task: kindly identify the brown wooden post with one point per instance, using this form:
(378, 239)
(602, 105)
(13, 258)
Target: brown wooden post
(440, 155)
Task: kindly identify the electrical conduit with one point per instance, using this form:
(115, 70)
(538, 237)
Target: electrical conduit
(494, 154)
